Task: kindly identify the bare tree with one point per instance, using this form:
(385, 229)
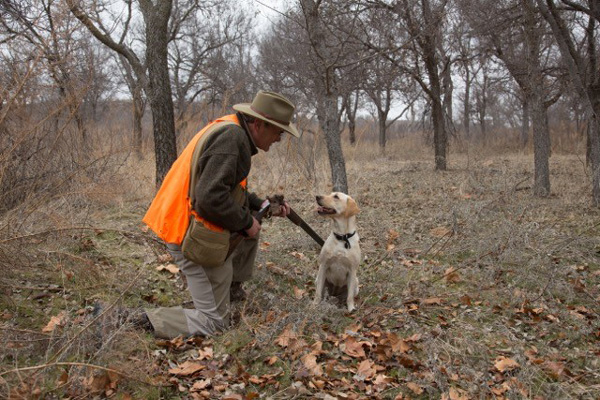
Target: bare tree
(312, 54)
(583, 68)
(328, 52)
(423, 23)
(384, 83)
(47, 26)
(210, 57)
(152, 68)
(517, 37)
(351, 101)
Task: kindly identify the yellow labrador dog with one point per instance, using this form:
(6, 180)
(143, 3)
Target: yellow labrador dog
(340, 255)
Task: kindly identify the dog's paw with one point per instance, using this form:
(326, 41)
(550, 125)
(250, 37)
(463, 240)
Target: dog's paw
(351, 307)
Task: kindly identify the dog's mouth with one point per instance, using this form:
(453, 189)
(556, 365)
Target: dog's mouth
(325, 210)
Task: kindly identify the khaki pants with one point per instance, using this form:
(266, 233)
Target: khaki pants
(209, 288)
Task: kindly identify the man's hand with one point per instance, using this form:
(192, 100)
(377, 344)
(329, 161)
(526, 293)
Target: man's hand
(254, 229)
(283, 211)
(278, 209)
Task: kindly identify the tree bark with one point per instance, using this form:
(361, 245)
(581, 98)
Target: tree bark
(467, 104)
(156, 18)
(328, 119)
(524, 123)
(351, 107)
(440, 137)
(541, 145)
(381, 123)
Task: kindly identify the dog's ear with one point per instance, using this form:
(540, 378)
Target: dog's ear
(351, 208)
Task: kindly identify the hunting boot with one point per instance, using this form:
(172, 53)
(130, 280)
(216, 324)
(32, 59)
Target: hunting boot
(236, 292)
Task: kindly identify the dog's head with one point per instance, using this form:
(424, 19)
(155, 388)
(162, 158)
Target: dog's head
(337, 204)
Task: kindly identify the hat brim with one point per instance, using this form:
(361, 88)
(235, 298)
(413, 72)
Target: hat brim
(245, 109)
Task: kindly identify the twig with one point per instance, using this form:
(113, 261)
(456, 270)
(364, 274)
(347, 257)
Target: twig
(72, 228)
(62, 349)
(5, 328)
(78, 364)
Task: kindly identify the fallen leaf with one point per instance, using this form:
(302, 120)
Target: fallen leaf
(458, 394)
(432, 301)
(392, 236)
(416, 389)
(286, 336)
(555, 369)
(451, 275)
(353, 348)
(187, 368)
(98, 382)
(55, 322)
(366, 370)
(503, 364)
(172, 268)
(200, 385)
(205, 353)
(414, 338)
(310, 362)
(382, 380)
(271, 360)
(440, 231)
(298, 293)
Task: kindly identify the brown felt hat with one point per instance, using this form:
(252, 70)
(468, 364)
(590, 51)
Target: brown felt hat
(272, 108)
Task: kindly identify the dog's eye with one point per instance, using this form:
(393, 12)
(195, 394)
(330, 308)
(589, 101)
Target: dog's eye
(335, 196)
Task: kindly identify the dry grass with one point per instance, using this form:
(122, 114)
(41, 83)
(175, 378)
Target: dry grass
(466, 259)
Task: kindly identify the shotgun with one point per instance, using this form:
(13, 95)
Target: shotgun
(296, 219)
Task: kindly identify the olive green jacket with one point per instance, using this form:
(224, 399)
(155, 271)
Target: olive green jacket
(223, 164)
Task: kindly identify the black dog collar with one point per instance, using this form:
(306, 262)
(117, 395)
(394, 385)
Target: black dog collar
(344, 238)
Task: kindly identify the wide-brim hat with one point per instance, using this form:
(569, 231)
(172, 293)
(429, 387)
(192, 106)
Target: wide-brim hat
(272, 108)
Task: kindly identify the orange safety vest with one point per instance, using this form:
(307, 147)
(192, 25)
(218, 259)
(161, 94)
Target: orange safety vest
(170, 211)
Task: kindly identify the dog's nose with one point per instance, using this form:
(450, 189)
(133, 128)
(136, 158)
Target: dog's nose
(318, 197)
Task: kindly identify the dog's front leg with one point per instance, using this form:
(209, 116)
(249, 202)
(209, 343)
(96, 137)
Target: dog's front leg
(320, 284)
(352, 290)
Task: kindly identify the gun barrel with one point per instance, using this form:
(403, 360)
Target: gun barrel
(296, 219)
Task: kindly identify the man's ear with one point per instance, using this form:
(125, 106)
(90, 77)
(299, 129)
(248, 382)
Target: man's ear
(351, 208)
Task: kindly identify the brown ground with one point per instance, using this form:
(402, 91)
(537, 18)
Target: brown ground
(470, 288)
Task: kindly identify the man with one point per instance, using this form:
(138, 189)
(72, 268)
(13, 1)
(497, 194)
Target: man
(208, 182)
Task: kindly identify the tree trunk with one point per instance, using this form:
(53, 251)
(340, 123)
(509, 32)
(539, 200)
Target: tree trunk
(525, 123)
(440, 137)
(351, 113)
(467, 104)
(382, 119)
(541, 145)
(328, 119)
(138, 114)
(594, 148)
(577, 70)
(159, 86)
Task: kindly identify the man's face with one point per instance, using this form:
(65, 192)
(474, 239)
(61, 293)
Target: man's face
(266, 134)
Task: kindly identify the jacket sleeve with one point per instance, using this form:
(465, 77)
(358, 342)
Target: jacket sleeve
(255, 201)
(224, 160)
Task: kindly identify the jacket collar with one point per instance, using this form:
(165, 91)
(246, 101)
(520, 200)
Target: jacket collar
(244, 125)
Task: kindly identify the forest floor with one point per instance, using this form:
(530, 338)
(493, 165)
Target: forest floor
(470, 288)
